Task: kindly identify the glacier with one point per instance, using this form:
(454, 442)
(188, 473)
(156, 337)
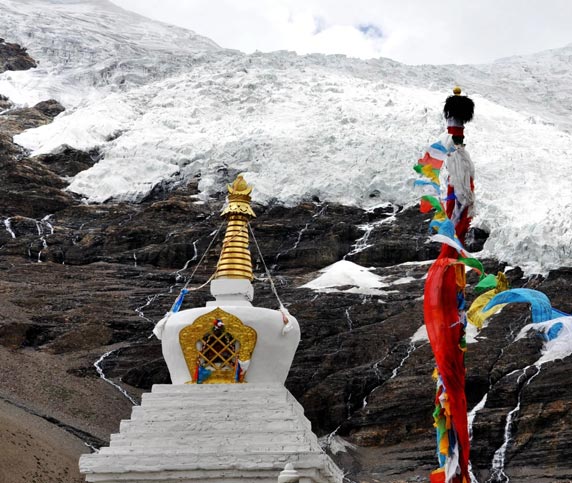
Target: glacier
(163, 105)
(88, 47)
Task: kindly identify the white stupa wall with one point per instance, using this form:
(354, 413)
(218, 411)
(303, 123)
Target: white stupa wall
(272, 356)
(275, 348)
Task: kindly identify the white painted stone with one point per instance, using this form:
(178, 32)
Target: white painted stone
(247, 433)
(289, 475)
(231, 291)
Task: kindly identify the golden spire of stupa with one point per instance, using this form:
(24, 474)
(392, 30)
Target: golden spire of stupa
(234, 261)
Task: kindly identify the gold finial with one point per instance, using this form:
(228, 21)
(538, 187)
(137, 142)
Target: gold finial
(235, 261)
(457, 90)
(239, 198)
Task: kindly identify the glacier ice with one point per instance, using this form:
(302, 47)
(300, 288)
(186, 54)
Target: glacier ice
(162, 102)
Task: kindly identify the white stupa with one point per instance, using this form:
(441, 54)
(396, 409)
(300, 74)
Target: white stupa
(227, 417)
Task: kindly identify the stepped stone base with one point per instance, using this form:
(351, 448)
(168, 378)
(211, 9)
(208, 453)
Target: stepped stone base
(217, 433)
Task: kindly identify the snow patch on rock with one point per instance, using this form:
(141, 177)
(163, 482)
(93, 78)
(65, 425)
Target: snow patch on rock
(345, 273)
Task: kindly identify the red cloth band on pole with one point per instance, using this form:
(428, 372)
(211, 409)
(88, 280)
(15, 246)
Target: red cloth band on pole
(455, 130)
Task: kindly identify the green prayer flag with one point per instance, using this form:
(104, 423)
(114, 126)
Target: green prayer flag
(487, 283)
(434, 201)
(474, 263)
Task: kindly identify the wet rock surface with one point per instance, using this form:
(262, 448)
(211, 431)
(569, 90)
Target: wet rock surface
(78, 282)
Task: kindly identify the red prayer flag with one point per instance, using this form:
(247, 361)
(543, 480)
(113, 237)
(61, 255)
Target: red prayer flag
(425, 206)
(445, 279)
(427, 159)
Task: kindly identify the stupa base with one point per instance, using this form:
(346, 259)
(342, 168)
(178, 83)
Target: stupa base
(216, 433)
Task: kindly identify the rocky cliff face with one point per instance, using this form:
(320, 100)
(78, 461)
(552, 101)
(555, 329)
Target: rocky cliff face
(83, 284)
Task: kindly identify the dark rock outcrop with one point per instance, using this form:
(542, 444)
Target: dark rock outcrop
(14, 57)
(5, 103)
(50, 108)
(68, 161)
(15, 121)
(29, 189)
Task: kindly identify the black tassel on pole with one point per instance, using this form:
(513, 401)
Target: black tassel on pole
(459, 107)
(458, 110)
